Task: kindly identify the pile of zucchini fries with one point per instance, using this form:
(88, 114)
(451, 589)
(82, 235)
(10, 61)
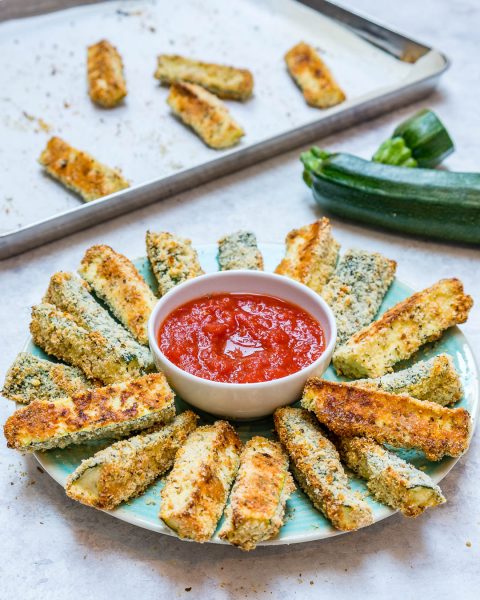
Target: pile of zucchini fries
(106, 387)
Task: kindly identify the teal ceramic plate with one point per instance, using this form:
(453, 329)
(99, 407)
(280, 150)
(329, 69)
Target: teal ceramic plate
(303, 522)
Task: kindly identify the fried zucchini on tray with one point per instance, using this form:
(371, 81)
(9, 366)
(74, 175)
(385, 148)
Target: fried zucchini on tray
(398, 420)
(316, 466)
(256, 508)
(111, 411)
(239, 250)
(223, 81)
(205, 114)
(126, 468)
(79, 171)
(106, 81)
(403, 329)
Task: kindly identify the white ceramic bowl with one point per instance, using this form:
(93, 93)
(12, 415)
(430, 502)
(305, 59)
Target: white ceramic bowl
(241, 401)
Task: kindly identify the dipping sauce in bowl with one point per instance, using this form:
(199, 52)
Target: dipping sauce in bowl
(240, 338)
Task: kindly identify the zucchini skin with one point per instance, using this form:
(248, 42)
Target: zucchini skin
(424, 202)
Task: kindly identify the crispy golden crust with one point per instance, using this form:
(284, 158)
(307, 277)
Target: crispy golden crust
(257, 502)
(311, 254)
(313, 77)
(106, 81)
(117, 282)
(111, 411)
(403, 329)
(398, 420)
(79, 171)
(205, 114)
(196, 489)
(126, 468)
(223, 81)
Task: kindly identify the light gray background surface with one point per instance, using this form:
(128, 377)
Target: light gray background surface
(53, 548)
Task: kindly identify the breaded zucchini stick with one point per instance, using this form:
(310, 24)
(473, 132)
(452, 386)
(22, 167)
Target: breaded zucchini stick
(313, 77)
(106, 81)
(392, 480)
(239, 250)
(117, 282)
(79, 171)
(403, 329)
(172, 258)
(435, 380)
(126, 468)
(196, 489)
(256, 509)
(72, 295)
(58, 334)
(311, 254)
(356, 290)
(205, 114)
(317, 468)
(223, 81)
(400, 421)
(111, 411)
(32, 378)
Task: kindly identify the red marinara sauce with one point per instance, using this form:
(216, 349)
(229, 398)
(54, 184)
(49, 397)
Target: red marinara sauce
(240, 338)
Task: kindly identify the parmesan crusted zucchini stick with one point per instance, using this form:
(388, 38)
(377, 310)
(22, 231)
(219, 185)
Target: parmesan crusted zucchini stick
(356, 290)
(317, 468)
(435, 380)
(117, 282)
(400, 421)
(403, 329)
(172, 258)
(205, 114)
(239, 250)
(224, 82)
(196, 490)
(311, 254)
(106, 81)
(391, 479)
(313, 77)
(111, 411)
(79, 171)
(31, 378)
(256, 509)
(126, 468)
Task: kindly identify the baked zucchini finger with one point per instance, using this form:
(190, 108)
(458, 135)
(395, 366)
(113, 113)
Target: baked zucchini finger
(239, 250)
(403, 329)
(71, 294)
(256, 508)
(401, 421)
(311, 254)
(205, 114)
(392, 480)
(32, 378)
(172, 258)
(126, 468)
(79, 171)
(106, 81)
(316, 466)
(435, 379)
(117, 282)
(356, 290)
(110, 411)
(196, 489)
(223, 81)
(313, 77)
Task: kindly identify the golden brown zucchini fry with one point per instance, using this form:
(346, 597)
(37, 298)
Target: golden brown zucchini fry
(239, 250)
(106, 81)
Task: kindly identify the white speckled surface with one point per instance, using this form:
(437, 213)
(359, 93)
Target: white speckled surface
(52, 548)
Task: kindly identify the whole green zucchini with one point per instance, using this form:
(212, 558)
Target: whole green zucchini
(426, 202)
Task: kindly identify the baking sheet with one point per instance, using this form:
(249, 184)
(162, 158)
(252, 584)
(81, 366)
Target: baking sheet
(43, 87)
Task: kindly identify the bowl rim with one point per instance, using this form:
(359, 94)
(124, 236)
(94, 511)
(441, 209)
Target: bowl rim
(328, 351)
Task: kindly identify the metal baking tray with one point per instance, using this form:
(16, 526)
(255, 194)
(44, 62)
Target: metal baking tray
(44, 94)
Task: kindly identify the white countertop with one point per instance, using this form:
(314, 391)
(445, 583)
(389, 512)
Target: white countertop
(54, 548)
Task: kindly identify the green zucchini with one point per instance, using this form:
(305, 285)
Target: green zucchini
(425, 202)
(422, 140)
